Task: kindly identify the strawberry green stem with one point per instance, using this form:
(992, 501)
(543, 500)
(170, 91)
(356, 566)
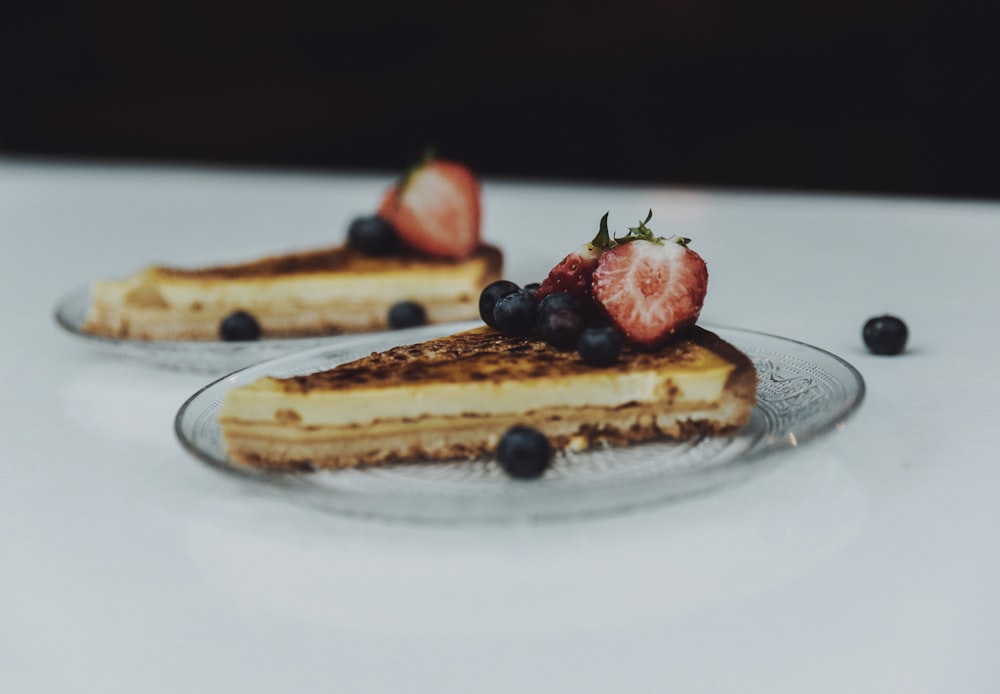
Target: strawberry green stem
(424, 160)
(641, 232)
(603, 238)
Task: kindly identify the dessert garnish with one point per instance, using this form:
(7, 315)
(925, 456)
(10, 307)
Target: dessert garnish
(524, 453)
(650, 287)
(488, 298)
(560, 327)
(239, 326)
(407, 314)
(600, 345)
(886, 334)
(573, 274)
(373, 235)
(435, 209)
(516, 313)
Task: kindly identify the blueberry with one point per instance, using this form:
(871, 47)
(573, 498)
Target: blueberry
(558, 300)
(373, 236)
(532, 287)
(885, 335)
(524, 452)
(600, 345)
(561, 327)
(407, 314)
(516, 314)
(489, 297)
(239, 326)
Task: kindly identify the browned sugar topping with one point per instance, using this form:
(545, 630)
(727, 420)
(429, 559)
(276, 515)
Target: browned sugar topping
(485, 355)
(341, 258)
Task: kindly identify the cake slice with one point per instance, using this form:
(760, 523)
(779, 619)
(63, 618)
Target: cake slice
(321, 292)
(454, 397)
(423, 246)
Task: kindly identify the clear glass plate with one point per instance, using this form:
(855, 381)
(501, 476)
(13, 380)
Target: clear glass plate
(189, 355)
(803, 391)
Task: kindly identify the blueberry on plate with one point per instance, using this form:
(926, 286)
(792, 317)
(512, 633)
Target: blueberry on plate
(600, 345)
(489, 297)
(524, 453)
(516, 314)
(239, 326)
(885, 335)
(407, 314)
(373, 236)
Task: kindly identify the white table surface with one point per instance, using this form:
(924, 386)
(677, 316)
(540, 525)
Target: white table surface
(867, 561)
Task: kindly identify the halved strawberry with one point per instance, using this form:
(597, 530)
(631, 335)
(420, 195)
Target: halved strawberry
(573, 273)
(650, 287)
(435, 209)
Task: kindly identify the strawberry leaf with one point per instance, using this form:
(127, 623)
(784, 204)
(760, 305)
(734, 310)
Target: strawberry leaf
(603, 239)
(641, 232)
(426, 158)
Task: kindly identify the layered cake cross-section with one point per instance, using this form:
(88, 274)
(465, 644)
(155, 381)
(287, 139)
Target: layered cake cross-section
(454, 397)
(321, 292)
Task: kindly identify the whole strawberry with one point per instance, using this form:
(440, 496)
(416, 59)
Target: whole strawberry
(435, 209)
(573, 273)
(650, 287)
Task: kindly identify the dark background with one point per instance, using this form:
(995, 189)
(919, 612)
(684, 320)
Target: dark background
(886, 97)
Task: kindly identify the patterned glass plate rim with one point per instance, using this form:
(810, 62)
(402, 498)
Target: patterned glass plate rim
(201, 356)
(803, 391)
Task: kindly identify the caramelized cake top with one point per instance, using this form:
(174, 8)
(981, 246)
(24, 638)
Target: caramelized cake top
(337, 259)
(483, 354)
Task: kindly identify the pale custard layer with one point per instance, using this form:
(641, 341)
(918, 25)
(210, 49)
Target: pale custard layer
(266, 400)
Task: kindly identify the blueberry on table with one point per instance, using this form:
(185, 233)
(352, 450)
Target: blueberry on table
(489, 297)
(239, 326)
(516, 314)
(561, 328)
(600, 345)
(885, 335)
(373, 236)
(407, 314)
(524, 453)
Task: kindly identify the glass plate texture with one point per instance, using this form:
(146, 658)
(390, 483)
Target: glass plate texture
(803, 391)
(187, 355)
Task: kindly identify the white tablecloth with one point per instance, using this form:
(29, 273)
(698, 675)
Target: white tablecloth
(867, 561)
